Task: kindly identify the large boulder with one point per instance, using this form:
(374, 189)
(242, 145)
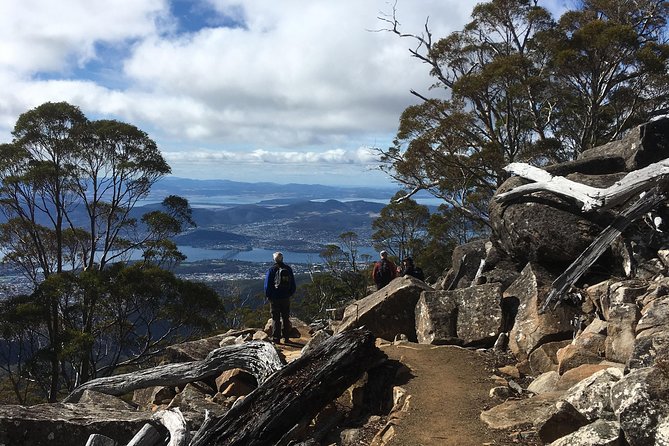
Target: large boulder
(514, 414)
(387, 312)
(587, 348)
(621, 332)
(542, 228)
(651, 344)
(592, 396)
(66, 424)
(599, 433)
(564, 420)
(465, 263)
(649, 347)
(641, 146)
(437, 318)
(470, 316)
(544, 358)
(640, 402)
(532, 328)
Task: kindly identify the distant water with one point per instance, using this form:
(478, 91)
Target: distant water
(225, 201)
(258, 255)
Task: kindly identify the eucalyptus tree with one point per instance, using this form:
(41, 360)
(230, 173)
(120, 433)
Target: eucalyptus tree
(69, 192)
(492, 109)
(401, 227)
(515, 85)
(609, 66)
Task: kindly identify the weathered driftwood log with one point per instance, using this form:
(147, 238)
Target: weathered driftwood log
(296, 392)
(175, 423)
(147, 436)
(257, 357)
(590, 198)
(100, 440)
(574, 272)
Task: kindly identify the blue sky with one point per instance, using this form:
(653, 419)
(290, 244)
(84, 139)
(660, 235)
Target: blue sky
(255, 90)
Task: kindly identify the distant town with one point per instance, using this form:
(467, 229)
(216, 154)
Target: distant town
(239, 225)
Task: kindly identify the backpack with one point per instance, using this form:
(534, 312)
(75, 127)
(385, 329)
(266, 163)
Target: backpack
(383, 273)
(281, 279)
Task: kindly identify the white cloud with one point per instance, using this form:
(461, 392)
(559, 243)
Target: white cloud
(293, 83)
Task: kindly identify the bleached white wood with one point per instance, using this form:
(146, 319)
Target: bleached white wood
(175, 423)
(258, 358)
(590, 198)
(100, 440)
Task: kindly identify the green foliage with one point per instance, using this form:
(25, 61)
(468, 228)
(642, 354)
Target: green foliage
(107, 319)
(401, 226)
(608, 61)
(67, 189)
(519, 87)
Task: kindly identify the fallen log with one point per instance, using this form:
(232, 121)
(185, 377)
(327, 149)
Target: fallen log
(590, 198)
(147, 436)
(175, 423)
(296, 392)
(100, 440)
(257, 357)
(649, 182)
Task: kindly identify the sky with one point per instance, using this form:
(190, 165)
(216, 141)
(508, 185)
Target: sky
(290, 91)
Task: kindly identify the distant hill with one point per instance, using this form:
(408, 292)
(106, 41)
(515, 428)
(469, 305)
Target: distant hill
(266, 191)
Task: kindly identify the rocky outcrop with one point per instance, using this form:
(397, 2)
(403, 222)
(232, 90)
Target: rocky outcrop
(533, 328)
(468, 316)
(67, 424)
(611, 366)
(387, 312)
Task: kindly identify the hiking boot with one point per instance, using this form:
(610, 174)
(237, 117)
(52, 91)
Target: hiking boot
(286, 340)
(276, 340)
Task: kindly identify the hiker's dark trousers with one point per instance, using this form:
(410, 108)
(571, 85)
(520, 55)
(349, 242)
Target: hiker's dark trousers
(280, 311)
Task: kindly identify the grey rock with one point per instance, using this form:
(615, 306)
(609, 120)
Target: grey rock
(388, 311)
(639, 401)
(514, 414)
(66, 424)
(564, 420)
(531, 328)
(592, 396)
(599, 433)
(544, 383)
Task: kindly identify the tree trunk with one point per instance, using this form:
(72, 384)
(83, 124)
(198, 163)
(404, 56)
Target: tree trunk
(296, 392)
(590, 198)
(258, 358)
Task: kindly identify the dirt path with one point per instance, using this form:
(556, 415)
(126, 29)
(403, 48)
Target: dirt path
(449, 388)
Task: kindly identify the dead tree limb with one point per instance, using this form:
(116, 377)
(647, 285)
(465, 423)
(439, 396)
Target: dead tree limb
(590, 198)
(100, 440)
(147, 436)
(574, 272)
(257, 357)
(297, 391)
(175, 423)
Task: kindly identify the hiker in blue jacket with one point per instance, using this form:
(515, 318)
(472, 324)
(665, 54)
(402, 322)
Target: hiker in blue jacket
(279, 287)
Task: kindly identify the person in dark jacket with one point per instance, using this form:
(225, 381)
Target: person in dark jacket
(384, 271)
(279, 287)
(409, 269)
